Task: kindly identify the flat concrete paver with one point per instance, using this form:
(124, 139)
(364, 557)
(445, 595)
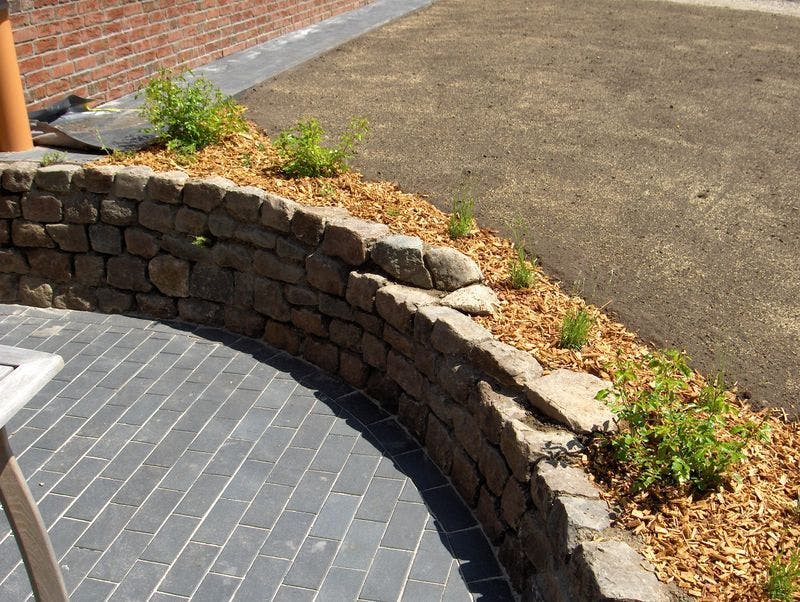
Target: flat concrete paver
(178, 462)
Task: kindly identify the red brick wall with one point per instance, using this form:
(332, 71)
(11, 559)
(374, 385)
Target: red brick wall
(105, 49)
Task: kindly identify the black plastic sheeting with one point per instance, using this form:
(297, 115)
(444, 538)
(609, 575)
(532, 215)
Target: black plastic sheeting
(71, 124)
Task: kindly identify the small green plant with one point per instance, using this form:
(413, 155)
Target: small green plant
(247, 160)
(520, 270)
(462, 219)
(668, 435)
(201, 241)
(783, 577)
(189, 113)
(305, 156)
(575, 329)
(52, 157)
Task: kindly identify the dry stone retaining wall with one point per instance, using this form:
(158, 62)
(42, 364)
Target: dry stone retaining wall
(378, 309)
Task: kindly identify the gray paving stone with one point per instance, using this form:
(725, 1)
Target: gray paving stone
(139, 485)
(288, 533)
(362, 408)
(379, 500)
(93, 589)
(392, 437)
(91, 402)
(140, 582)
(294, 411)
(360, 544)
(213, 434)
(237, 404)
(64, 533)
(188, 570)
(239, 551)
(142, 409)
(387, 575)
(387, 468)
(272, 444)
(170, 449)
(128, 460)
(229, 457)
(105, 527)
(247, 480)
(262, 580)
(109, 444)
(356, 474)
(335, 516)
(76, 564)
(59, 433)
(215, 588)
(94, 498)
(253, 424)
(420, 469)
(267, 506)
(415, 591)
(341, 584)
(492, 589)
(42, 481)
(132, 390)
(220, 522)
(33, 459)
(312, 431)
(311, 563)
(311, 491)
(405, 526)
(154, 511)
(185, 471)
(21, 439)
(456, 589)
(333, 453)
(170, 539)
(450, 512)
(99, 422)
(201, 495)
(16, 586)
(290, 466)
(117, 560)
(433, 558)
(79, 476)
(276, 392)
(183, 397)
(474, 554)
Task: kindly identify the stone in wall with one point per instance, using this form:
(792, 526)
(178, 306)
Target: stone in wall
(402, 257)
(450, 268)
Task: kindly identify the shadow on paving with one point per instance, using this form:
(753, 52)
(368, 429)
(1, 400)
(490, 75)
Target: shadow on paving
(650, 148)
(168, 458)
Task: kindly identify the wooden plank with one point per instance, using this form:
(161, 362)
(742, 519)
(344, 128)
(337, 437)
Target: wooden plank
(32, 371)
(26, 522)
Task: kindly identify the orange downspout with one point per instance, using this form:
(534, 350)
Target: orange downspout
(15, 131)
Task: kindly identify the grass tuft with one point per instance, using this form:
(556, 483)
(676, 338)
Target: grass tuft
(783, 577)
(462, 220)
(52, 157)
(575, 329)
(305, 156)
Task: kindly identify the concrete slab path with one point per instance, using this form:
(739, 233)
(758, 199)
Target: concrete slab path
(173, 462)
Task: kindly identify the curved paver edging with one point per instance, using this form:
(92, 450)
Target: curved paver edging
(357, 301)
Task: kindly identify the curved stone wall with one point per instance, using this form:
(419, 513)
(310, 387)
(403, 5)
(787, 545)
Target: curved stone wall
(385, 312)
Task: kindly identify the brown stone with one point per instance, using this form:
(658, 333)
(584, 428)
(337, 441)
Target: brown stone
(553, 478)
(493, 468)
(350, 239)
(256, 235)
(398, 341)
(322, 354)
(466, 431)
(157, 216)
(327, 274)
(266, 263)
(13, 261)
(105, 239)
(244, 203)
(243, 285)
(128, 272)
(200, 312)
(30, 234)
(487, 512)
(414, 415)
(440, 404)
(156, 306)
(183, 246)
(41, 207)
(456, 334)
(90, 269)
(361, 289)
(457, 377)
(166, 187)
(514, 502)
(55, 178)
(112, 301)
(211, 283)
(80, 209)
(141, 242)
(206, 193)
(268, 299)
(369, 322)
(439, 444)
(244, 321)
(75, 296)
(69, 237)
(335, 307)
(118, 212)
(308, 223)
(277, 213)
(5, 233)
(283, 337)
(426, 360)
(220, 224)
(310, 322)
(352, 369)
(10, 207)
(301, 295)
(346, 334)
(232, 255)
(397, 304)
(465, 476)
(375, 351)
(290, 249)
(131, 182)
(170, 275)
(519, 570)
(9, 288)
(96, 178)
(191, 221)
(35, 292)
(384, 389)
(506, 364)
(18, 177)
(50, 264)
(493, 409)
(404, 374)
(536, 542)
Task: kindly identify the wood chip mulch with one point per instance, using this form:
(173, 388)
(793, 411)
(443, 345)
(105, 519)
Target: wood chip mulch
(716, 547)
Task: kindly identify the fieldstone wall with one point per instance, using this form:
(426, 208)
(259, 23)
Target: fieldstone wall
(383, 311)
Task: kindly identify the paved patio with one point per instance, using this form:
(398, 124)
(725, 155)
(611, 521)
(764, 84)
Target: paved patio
(175, 462)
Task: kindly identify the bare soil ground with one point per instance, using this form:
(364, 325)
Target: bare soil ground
(651, 150)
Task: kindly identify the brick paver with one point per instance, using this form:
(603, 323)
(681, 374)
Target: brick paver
(178, 462)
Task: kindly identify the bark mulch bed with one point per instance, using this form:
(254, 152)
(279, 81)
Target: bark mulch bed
(715, 547)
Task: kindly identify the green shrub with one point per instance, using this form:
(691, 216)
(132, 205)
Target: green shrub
(665, 439)
(52, 157)
(188, 113)
(305, 156)
(575, 329)
(462, 220)
(783, 577)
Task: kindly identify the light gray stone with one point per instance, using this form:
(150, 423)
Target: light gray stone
(523, 445)
(221, 224)
(277, 213)
(553, 478)
(456, 334)
(506, 364)
(131, 182)
(475, 299)
(19, 176)
(361, 289)
(308, 223)
(450, 268)
(569, 398)
(401, 257)
(350, 239)
(166, 187)
(244, 203)
(397, 304)
(96, 178)
(612, 570)
(493, 409)
(206, 193)
(55, 178)
(575, 519)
